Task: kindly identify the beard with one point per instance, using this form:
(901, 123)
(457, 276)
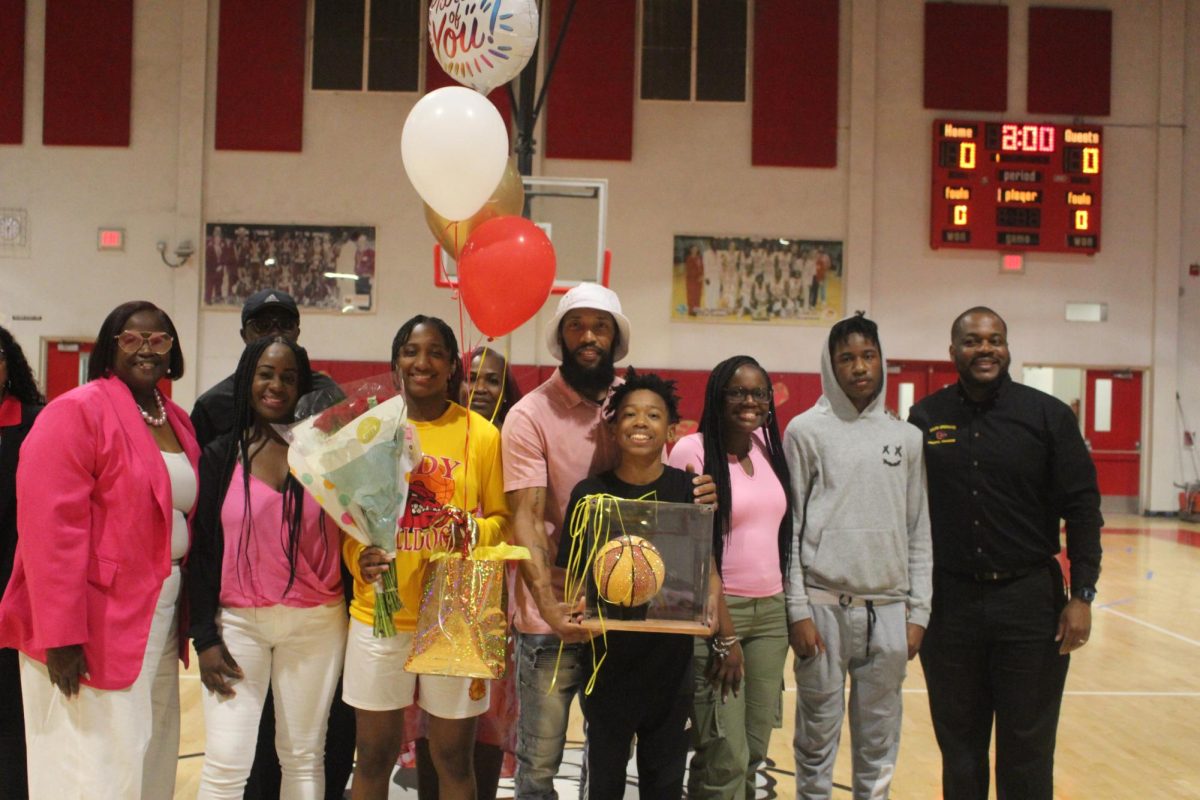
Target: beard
(588, 381)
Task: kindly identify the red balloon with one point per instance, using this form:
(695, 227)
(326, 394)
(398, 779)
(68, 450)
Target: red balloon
(505, 274)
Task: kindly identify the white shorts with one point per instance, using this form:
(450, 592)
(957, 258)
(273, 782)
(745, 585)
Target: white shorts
(375, 680)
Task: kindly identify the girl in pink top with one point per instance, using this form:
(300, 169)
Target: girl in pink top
(738, 672)
(267, 605)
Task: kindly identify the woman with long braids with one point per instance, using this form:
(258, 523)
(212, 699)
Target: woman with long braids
(265, 587)
(20, 402)
(738, 672)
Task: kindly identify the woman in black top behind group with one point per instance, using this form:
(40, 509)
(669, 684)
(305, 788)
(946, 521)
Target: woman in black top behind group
(20, 402)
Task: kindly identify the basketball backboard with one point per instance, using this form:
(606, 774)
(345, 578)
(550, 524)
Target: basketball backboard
(573, 212)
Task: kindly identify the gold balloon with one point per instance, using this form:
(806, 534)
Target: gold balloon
(507, 200)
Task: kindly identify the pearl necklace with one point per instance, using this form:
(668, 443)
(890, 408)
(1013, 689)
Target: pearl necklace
(156, 420)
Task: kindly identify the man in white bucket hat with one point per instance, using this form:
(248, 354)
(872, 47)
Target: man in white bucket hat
(553, 438)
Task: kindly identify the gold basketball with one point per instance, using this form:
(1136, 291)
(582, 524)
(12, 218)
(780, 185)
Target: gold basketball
(628, 571)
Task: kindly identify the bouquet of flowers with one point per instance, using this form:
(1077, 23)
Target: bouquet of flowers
(352, 451)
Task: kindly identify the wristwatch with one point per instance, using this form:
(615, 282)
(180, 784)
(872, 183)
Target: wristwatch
(1085, 593)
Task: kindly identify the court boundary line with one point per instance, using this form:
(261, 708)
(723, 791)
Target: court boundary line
(1150, 625)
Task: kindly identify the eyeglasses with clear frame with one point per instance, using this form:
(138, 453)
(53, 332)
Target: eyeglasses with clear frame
(159, 342)
(740, 394)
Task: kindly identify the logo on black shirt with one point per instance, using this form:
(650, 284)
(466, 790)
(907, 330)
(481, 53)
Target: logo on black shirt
(942, 434)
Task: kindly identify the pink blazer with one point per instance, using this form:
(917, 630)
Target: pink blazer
(94, 531)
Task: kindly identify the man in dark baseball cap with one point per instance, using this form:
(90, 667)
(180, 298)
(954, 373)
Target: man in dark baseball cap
(267, 305)
(267, 312)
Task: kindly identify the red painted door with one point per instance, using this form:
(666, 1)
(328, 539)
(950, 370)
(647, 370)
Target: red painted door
(67, 366)
(910, 381)
(1113, 429)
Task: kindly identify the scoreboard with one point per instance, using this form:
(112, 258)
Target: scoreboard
(1016, 187)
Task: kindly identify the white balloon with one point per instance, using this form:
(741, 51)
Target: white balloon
(455, 147)
(483, 43)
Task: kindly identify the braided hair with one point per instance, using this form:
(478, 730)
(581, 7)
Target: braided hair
(716, 461)
(448, 339)
(20, 383)
(248, 429)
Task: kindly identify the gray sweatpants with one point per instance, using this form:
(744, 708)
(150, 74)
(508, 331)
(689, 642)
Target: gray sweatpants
(877, 671)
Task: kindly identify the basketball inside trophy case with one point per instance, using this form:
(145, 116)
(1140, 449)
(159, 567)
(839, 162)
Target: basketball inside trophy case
(640, 565)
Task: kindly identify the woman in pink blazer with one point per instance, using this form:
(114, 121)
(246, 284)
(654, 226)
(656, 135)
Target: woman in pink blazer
(105, 486)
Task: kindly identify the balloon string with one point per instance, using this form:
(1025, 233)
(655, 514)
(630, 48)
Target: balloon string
(442, 263)
(466, 367)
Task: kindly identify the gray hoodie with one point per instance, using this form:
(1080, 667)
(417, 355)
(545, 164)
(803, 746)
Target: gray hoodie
(861, 517)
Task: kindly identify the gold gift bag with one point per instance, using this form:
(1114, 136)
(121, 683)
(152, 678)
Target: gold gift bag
(462, 625)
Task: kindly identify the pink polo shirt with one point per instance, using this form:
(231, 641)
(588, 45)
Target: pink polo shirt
(552, 438)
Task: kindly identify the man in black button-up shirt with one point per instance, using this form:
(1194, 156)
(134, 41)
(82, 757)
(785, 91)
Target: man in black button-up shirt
(1005, 463)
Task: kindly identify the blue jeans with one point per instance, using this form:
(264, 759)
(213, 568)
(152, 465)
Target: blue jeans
(542, 726)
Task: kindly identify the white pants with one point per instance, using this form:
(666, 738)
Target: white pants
(109, 744)
(298, 652)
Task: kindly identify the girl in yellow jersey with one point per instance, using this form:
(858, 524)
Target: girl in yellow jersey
(456, 469)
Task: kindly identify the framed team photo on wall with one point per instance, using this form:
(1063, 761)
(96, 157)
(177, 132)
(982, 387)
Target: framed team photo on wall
(756, 279)
(324, 267)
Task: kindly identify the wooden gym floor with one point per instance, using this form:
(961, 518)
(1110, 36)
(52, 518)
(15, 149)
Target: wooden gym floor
(1130, 723)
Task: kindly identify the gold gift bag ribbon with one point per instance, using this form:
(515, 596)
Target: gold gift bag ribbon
(462, 623)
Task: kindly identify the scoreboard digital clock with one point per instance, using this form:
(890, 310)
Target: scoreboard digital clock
(1016, 186)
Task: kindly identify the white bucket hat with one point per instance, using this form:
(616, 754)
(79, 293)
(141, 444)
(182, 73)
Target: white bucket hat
(594, 296)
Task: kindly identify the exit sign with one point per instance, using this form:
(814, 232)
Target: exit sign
(110, 239)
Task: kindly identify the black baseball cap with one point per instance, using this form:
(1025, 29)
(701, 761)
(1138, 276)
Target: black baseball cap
(268, 299)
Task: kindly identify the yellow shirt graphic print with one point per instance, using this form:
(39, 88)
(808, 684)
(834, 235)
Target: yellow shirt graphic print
(430, 487)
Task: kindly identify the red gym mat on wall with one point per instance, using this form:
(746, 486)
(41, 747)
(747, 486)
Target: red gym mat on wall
(966, 57)
(12, 71)
(89, 73)
(589, 108)
(795, 111)
(1070, 61)
(260, 75)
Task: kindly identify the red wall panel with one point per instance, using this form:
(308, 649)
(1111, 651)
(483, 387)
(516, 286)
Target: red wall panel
(795, 392)
(795, 111)
(1070, 61)
(589, 107)
(260, 75)
(12, 71)
(89, 73)
(966, 57)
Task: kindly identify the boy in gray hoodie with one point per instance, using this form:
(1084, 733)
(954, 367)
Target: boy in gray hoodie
(858, 591)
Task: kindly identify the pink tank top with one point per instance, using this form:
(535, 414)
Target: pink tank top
(254, 569)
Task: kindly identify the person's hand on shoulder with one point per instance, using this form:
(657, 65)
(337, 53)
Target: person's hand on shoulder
(704, 488)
